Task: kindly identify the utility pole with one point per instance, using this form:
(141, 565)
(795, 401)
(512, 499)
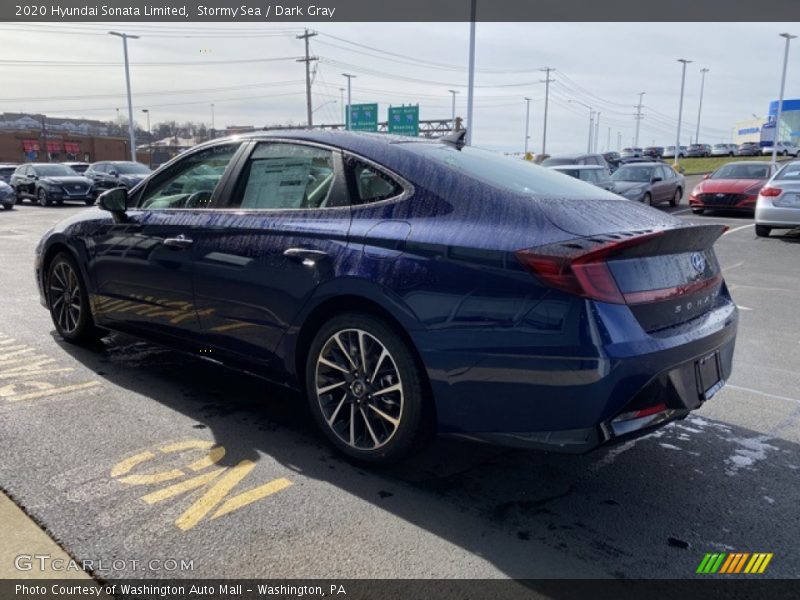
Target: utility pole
(619, 141)
(700, 108)
(149, 138)
(638, 119)
(213, 129)
(308, 59)
(131, 131)
(527, 122)
(608, 140)
(341, 103)
(453, 112)
(775, 139)
(471, 78)
(349, 114)
(546, 82)
(680, 110)
(596, 132)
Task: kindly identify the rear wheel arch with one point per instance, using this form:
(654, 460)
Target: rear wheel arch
(350, 303)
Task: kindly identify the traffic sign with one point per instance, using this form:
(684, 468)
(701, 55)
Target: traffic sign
(363, 117)
(404, 120)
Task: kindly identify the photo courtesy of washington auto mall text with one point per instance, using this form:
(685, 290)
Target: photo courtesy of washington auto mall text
(399, 300)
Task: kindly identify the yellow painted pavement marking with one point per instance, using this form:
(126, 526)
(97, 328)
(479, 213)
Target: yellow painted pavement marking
(45, 389)
(245, 498)
(180, 488)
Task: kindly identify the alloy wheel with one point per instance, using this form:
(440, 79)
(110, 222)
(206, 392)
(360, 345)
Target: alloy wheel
(359, 389)
(65, 297)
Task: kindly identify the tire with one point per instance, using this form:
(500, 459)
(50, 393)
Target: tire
(41, 196)
(647, 199)
(69, 301)
(763, 230)
(378, 428)
(8, 206)
(89, 201)
(676, 199)
(698, 211)
(784, 153)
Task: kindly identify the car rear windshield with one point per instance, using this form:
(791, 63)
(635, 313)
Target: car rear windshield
(734, 171)
(54, 171)
(555, 162)
(789, 172)
(508, 173)
(638, 174)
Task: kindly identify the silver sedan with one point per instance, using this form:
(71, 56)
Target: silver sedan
(778, 204)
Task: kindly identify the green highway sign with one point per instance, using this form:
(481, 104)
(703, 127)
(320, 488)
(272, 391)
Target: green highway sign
(363, 117)
(404, 120)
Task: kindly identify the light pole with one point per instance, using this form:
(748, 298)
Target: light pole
(591, 122)
(700, 108)
(789, 37)
(684, 62)
(471, 77)
(453, 112)
(341, 100)
(348, 115)
(149, 138)
(213, 129)
(596, 132)
(638, 119)
(131, 132)
(527, 122)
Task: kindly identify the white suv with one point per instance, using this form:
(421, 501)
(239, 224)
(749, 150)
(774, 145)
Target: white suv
(784, 149)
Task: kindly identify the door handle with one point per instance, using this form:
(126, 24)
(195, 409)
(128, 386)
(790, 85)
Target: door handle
(307, 256)
(179, 242)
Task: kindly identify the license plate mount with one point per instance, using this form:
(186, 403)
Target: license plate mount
(709, 376)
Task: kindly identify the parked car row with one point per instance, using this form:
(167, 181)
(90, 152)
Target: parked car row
(49, 183)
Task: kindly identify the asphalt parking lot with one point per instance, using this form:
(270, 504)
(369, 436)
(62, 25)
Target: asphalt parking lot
(128, 452)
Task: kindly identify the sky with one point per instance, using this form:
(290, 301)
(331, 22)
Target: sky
(249, 71)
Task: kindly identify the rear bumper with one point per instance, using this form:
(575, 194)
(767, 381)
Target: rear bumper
(571, 403)
(776, 216)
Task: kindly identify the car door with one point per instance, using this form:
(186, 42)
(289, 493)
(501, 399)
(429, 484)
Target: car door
(661, 188)
(282, 232)
(141, 265)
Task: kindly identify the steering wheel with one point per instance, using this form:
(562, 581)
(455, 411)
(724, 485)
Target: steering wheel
(197, 200)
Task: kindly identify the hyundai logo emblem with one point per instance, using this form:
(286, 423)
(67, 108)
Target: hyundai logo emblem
(698, 262)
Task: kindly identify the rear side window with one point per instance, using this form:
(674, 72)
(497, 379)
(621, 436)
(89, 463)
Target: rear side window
(369, 184)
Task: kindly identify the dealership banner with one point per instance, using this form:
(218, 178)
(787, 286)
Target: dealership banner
(400, 589)
(407, 10)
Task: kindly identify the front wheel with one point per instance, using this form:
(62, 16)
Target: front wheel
(365, 389)
(763, 230)
(647, 199)
(676, 199)
(8, 206)
(69, 301)
(41, 195)
(697, 211)
(89, 201)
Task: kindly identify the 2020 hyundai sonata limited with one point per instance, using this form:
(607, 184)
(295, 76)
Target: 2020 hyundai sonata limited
(407, 286)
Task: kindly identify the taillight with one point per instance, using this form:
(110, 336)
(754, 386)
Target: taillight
(771, 191)
(583, 273)
(638, 414)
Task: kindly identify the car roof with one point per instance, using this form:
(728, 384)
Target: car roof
(578, 167)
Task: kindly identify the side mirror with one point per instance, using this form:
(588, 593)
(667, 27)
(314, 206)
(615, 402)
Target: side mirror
(113, 173)
(707, 176)
(114, 201)
(657, 179)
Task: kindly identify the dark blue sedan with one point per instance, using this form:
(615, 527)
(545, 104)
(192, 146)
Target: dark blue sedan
(407, 286)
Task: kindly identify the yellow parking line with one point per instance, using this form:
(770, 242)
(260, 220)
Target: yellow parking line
(245, 498)
(212, 497)
(51, 391)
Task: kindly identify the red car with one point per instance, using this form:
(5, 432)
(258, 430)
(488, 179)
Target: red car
(733, 186)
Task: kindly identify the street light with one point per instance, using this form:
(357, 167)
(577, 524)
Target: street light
(341, 103)
(149, 138)
(527, 121)
(471, 76)
(700, 108)
(789, 37)
(213, 129)
(349, 114)
(680, 110)
(131, 132)
(591, 122)
(453, 117)
(596, 133)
